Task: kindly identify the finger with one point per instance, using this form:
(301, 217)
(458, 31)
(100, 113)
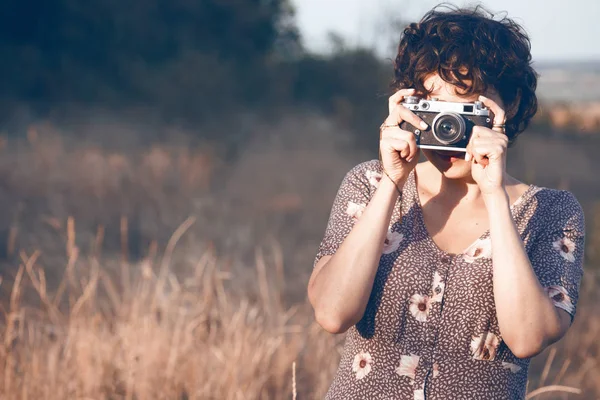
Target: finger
(499, 114)
(473, 152)
(401, 113)
(483, 132)
(397, 97)
(485, 136)
(469, 152)
(409, 138)
(399, 145)
(475, 138)
(492, 151)
(402, 147)
(488, 151)
(479, 158)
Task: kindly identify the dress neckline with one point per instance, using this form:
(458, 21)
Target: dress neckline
(514, 207)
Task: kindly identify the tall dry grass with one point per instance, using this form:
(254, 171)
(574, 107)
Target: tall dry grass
(156, 335)
(138, 331)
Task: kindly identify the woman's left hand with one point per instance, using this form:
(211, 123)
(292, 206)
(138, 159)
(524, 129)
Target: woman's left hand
(487, 151)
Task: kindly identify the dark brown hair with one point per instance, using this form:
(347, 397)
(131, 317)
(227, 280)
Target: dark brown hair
(468, 48)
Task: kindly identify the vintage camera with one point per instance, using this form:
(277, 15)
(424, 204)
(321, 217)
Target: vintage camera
(450, 124)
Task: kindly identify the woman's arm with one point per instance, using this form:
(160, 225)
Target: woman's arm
(340, 285)
(527, 317)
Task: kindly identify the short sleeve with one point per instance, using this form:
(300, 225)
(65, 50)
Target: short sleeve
(558, 252)
(350, 201)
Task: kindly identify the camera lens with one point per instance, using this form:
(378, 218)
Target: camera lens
(449, 127)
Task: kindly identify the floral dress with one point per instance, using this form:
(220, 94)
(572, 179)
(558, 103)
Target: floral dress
(430, 329)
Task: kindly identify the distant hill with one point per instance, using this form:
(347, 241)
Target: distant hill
(573, 81)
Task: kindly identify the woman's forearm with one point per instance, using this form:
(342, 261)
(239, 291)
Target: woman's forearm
(340, 289)
(527, 318)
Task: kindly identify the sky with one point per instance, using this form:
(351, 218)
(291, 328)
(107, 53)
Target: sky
(559, 30)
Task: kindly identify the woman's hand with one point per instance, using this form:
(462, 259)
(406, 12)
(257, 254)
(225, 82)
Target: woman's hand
(487, 151)
(398, 148)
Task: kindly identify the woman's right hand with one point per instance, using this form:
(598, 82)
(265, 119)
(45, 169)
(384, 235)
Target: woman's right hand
(398, 148)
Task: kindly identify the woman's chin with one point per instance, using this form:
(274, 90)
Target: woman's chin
(451, 164)
(460, 170)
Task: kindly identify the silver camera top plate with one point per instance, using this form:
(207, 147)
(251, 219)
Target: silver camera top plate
(434, 105)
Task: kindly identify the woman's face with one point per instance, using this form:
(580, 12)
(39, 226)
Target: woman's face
(452, 164)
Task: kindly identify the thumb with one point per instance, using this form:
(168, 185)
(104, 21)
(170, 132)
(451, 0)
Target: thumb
(468, 155)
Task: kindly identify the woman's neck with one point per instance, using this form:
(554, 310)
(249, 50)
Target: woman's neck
(435, 183)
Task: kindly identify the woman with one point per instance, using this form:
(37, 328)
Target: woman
(449, 275)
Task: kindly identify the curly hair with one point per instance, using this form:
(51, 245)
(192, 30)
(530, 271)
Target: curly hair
(468, 48)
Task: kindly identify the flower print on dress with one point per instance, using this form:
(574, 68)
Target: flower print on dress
(436, 369)
(392, 242)
(514, 368)
(362, 364)
(408, 366)
(482, 248)
(566, 248)
(437, 288)
(560, 298)
(374, 177)
(484, 346)
(355, 210)
(419, 307)
(419, 394)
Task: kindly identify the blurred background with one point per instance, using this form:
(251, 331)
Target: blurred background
(167, 171)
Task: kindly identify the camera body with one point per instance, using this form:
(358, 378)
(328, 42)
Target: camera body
(450, 124)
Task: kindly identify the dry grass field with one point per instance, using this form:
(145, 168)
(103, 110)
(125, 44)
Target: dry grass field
(160, 272)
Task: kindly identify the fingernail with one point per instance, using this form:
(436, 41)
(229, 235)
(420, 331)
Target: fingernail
(482, 97)
(409, 159)
(468, 157)
(424, 125)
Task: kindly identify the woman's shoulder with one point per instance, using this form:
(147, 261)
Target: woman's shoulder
(364, 177)
(368, 172)
(556, 206)
(373, 166)
(550, 198)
